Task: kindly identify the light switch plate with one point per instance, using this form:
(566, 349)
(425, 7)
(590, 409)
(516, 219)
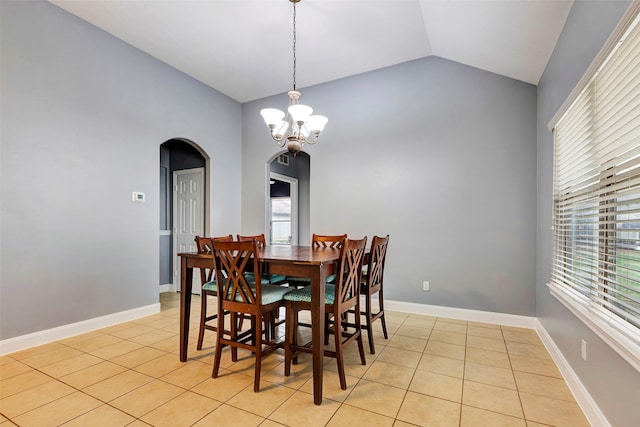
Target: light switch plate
(138, 197)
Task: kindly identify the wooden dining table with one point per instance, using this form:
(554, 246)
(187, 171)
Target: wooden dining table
(298, 261)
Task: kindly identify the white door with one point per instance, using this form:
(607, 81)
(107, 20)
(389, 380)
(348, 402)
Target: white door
(188, 218)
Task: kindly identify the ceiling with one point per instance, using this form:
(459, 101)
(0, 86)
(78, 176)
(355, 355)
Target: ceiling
(243, 49)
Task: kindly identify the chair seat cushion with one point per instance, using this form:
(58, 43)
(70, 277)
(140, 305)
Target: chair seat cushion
(273, 293)
(211, 286)
(304, 294)
(252, 280)
(270, 293)
(275, 278)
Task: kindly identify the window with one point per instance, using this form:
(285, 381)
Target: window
(596, 210)
(280, 220)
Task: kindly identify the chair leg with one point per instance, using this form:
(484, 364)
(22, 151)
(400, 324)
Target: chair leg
(234, 335)
(272, 327)
(258, 353)
(291, 321)
(384, 323)
(216, 361)
(240, 322)
(327, 329)
(254, 322)
(203, 316)
(218, 354)
(339, 356)
(368, 325)
(358, 331)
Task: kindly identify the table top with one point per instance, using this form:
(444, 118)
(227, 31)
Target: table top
(298, 254)
(305, 254)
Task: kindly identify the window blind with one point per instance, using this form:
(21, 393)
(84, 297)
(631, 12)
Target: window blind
(596, 210)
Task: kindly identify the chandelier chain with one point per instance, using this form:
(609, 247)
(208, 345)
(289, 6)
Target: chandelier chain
(294, 45)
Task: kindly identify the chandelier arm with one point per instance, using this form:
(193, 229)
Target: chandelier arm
(282, 140)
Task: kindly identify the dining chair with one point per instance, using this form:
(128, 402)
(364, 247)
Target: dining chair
(341, 298)
(272, 320)
(371, 284)
(319, 241)
(274, 279)
(204, 245)
(240, 298)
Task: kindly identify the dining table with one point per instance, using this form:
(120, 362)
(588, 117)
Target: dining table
(297, 261)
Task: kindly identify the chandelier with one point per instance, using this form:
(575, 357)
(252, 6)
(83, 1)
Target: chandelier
(298, 126)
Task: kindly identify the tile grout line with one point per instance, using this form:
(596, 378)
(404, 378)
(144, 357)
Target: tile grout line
(524, 415)
(341, 403)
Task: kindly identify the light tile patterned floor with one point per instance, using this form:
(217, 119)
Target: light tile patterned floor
(430, 372)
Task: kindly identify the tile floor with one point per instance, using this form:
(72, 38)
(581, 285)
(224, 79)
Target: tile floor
(430, 372)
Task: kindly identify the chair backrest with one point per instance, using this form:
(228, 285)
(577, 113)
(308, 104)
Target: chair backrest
(320, 241)
(349, 274)
(204, 245)
(232, 259)
(375, 266)
(262, 241)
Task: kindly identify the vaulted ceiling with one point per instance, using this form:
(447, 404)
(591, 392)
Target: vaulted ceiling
(243, 48)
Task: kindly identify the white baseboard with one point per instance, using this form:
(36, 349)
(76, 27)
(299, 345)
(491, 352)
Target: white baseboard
(12, 345)
(583, 398)
(167, 288)
(463, 314)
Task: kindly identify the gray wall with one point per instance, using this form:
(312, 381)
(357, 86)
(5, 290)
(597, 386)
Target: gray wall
(439, 155)
(613, 383)
(83, 116)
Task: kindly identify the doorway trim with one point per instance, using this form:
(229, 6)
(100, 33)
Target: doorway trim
(293, 193)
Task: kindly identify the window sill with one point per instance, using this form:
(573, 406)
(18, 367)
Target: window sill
(624, 342)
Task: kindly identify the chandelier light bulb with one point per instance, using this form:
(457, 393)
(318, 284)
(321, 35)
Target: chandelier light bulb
(271, 116)
(316, 123)
(300, 113)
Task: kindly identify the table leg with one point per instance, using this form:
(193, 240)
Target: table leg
(186, 283)
(317, 330)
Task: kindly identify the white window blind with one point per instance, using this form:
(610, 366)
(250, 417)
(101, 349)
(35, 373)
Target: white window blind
(596, 223)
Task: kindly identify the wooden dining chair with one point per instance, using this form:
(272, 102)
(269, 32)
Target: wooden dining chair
(319, 241)
(372, 283)
(274, 279)
(238, 297)
(341, 298)
(204, 245)
(272, 321)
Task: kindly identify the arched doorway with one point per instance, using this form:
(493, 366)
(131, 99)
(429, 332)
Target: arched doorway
(288, 172)
(183, 201)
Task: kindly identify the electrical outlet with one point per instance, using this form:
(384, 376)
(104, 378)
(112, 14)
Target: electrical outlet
(583, 350)
(425, 285)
